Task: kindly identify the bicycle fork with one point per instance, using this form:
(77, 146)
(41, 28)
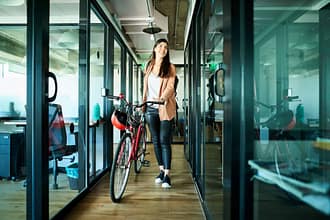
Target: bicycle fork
(123, 153)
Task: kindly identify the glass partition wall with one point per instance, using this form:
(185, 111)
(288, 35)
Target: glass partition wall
(63, 111)
(12, 111)
(178, 131)
(116, 84)
(97, 33)
(64, 162)
(128, 75)
(291, 147)
(213, 108)
(135, 84)
(203, 132)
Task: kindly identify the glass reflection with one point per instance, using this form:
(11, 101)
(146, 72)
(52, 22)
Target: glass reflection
(136, 94)
(116, 84)
(96, 101)
(63, 111)
(291, 132)
(128, 77)
(213, 114)
(12, 111)
(178, 131)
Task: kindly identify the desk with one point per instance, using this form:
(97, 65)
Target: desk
(70, 141)
(22, 123)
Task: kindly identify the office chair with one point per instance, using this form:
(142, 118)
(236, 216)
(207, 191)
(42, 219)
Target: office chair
(58, 147)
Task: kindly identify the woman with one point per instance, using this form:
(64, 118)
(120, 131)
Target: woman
(159, 85)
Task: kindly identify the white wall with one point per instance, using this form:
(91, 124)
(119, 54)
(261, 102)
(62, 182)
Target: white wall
(307, 88)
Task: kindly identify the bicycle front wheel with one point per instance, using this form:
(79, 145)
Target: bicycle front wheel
(120, 168)
(141, 150)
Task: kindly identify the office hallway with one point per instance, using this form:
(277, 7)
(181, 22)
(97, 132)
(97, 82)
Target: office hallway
(143, 199)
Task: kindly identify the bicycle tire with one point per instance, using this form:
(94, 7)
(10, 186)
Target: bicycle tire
(120, 168)
(141, 150)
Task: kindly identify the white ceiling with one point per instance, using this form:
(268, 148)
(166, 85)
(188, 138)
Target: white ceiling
(132, 16)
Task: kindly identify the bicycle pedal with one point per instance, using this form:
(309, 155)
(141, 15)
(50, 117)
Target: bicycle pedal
(146, 163)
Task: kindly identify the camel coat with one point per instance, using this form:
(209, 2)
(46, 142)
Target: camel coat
(166, 93)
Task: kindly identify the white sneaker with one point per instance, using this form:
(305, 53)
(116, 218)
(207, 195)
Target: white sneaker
(159, 178)
(166, 182)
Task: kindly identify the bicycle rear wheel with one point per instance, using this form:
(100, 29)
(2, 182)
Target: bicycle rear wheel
(141, 150)
(120, 168)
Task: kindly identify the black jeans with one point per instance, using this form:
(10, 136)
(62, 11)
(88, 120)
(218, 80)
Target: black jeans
(161, 134)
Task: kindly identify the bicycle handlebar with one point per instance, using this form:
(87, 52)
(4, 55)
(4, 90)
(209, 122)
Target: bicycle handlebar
(122, 97)
(149, 102)
(284, 100)
(291, 98)
(112, 97)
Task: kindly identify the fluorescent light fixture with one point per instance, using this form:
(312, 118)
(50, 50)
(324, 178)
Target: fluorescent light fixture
(11, 2)
(152, 30)
(69, 39)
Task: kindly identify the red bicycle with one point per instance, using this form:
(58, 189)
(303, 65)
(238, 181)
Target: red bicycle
(132, 145)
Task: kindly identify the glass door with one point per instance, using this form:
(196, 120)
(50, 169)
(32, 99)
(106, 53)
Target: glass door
(13, 20)
(63, 111)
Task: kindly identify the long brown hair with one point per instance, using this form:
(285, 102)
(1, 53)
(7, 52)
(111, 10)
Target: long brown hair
(165, 66)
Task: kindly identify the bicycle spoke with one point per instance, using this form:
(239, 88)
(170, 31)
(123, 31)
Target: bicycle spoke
(120, 168)
(127, 118)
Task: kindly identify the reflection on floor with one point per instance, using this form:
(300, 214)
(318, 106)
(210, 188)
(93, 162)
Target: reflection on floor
(13, 197)
(143, 199)
(213, 180)
(178, 139)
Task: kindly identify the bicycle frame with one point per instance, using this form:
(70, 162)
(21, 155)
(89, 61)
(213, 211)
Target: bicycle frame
(130, 128)
(130, 148)
(135, 137)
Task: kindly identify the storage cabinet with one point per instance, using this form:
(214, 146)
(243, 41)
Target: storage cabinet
(12, 148)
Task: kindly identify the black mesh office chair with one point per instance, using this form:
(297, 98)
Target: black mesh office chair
(58, 147)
